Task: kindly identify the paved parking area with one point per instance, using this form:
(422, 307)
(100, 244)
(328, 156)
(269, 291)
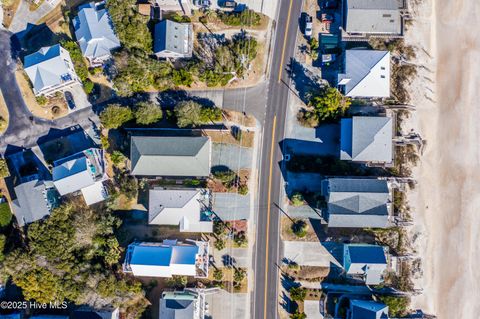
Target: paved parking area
(232, 156)
(312, 309)
(229, 305)
(325, 254)
(231, 206)
(79, 97)
(23, 15)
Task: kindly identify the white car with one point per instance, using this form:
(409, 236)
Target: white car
(308, 25)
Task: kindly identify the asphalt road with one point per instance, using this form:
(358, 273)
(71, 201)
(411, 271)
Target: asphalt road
(267, 245)
(24, 129)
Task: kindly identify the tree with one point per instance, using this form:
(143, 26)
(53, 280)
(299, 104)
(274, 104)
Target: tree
(219, 244)
(218, 274)
(88, 86)
(219, 228)
(297, 293)
(188, 113)
(177, 282)
(297, 199)
(4, 171)
(182, 77)
(227, 177)
(239, 275)
(299, 228)
(329, 103)
(117, 157)
(3, 240)
(115, 116)
(240, 238)
(5, 215)
(397, 306)
(41, 100)
(148, 113)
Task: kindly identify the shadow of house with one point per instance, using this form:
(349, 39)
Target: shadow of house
(304, 80)
(60, 143)
(35, 37)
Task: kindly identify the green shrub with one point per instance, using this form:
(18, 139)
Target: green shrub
(227, 177)
(41, 100)
(210, 114)
(88, 86)
(299, 228)
(78, 61)
(297, 199)
(327, 104)
(247, 17)
(148, 113)
(243, 189)
(117, 157)
(3, 240)
(298, 315)
(219, 244)
(4, 171)
(297, 293)
(239, 275)
(218, 274)
(240, 239)
(182, 77)
(397, 306)
(5, 214)
(219, 228)
(115, 116)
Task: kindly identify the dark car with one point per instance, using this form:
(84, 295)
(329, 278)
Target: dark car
(69, 99)
(228, 4)
(202, 3)
(330, 4)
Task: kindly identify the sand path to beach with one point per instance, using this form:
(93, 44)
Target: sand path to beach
(447, 197)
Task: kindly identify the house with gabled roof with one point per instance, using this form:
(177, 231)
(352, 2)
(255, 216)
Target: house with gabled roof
(366, 309)
(186, 208)
(366, 74)
(365, 262)
(167, 258)
(366, 139)
(50, 70)
(180, 304)
(179, 156)
(182, 6)
(82, 172)
(95, 34)
(364, 18)
(173, 39)
(357, 202)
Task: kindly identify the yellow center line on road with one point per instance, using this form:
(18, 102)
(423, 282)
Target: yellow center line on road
(280, 71)
(272, 148)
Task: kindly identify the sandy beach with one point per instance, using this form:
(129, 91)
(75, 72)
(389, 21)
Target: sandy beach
(446, 199)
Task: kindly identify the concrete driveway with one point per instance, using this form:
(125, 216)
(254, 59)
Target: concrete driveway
(232, 156)
(24, 16)
(231, 206)
(313, 253)
(79, 97)
(229, 305)
(312, 309)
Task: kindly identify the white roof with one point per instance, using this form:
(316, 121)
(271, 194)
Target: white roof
(94, 193)
(49, 67)
(94, 31)
(177, 207)
(72, 176)
(367, 73)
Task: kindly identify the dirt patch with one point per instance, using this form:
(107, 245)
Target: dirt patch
(288, 235)
(227, 281)
(307, 273)
(240, 118)
(55, 107)
(217, 186)
(4, 117)
(226, 137)
(9, 9)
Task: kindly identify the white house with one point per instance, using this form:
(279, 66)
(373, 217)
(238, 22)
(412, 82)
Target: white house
(167, 259)
(50, 70)
(82, 172)
(366, 74)
(173, 39)
(180, 207)
(94, 33)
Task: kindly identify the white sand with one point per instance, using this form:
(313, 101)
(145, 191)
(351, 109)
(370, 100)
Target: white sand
(447, 197)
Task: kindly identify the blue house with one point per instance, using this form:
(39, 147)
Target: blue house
(366, 262)
(367, 309)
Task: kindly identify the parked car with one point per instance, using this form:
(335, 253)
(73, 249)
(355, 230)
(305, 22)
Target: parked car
(228, 4)
(308, 25)
(202, 3)
(330, 4)
(327, 18)
(69, 98)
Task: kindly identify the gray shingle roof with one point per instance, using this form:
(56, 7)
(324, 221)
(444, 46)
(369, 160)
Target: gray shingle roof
(94, 31)
(373, 16)
(366, 139)
(357, 202)
(170, 156)
(31, 203)
(177, 306)
(174, 37)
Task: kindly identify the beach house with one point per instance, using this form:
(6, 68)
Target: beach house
(173, 40)
(180, 304)
(366, 139)
(364, 262)
(94, 33)
(357, 202)
(366, 309)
